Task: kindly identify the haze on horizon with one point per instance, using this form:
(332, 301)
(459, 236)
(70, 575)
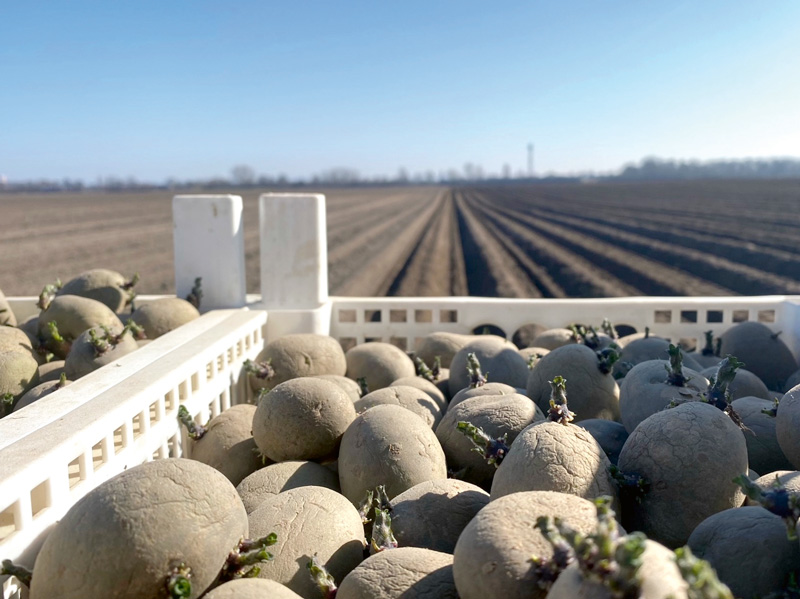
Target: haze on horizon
(188, 90)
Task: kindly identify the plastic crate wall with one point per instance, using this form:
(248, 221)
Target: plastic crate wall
(55, 452)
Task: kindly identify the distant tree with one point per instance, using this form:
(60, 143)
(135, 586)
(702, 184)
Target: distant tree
(241, 174)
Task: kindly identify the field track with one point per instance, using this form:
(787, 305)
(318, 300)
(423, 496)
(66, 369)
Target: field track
(568, 240)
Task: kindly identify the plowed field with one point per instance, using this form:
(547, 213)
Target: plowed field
(588, 240)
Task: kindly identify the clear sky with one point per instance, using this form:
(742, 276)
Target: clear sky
(156, 89)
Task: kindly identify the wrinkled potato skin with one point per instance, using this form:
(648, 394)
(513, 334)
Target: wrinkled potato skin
(690, 455)
(119, 541)
(744, 384)
(276, 478)
(762, 351)
(493, 555)
(444, 345)
(309, 520)
(347, 385)
(82, 358)
(591, 393)
(74, 314)
(549, 456)
(379, 363)
(228, 445)
(764, 453)
(609, 434)
(415, 400)
(298, 355)
(433, 514)
(402, 573)
(388, 445)
(749, 549)
(105, 286)
(163, 315)
(252, 588)
(660, 576)
(423, 385)
(13, 339)
(19, 371)
(789, 479)
(496, 415)
(487, 389)
(302, 419)
(498, 357)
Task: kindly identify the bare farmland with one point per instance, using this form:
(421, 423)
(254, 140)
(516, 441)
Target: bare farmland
(593, 240)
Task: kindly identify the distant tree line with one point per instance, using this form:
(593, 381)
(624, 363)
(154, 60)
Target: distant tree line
(244, 176)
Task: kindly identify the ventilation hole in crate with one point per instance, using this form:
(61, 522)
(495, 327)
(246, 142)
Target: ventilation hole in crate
(231, 355)
(170, 401)
(248, 342)
(688, 315)
(373, 339)
(239, 349)
(423, 315)
(687, 343)
(119, 440)
(74, 472)
(714, 316)
(40, 500)
(183, 390)
(97, 456)
(741, 315)
(488, 329)
(398, 316)
(766, 316)
(448, 315)
(624, 330)
(372, 316)
(7, 526)
(195, 382)
(401, 342)
(221, 363)
(139, 424)
(662, 316)
(347, 315)
(209, 371)
(174, 447)
(347, 342)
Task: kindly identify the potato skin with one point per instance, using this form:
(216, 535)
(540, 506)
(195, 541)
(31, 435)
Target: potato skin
(39, 391)
(388, 445)
(642, 349)
(549, 456)
(163, 315)
(487, 389)
(744, 384)
(379, 363)
(417, 401)
(347, 385)
(690, 455)
(493, 555)
(19, 372)
(498, 357)
(309, 520)
(609, 434)
(73, 315)
(762, 351)
(252, 588)
(591, 393)
(101, 284)
(554, 338)
(276, 478)
(402, 573)
(764, 453)
(433, 514)
(444, 345)
(787, 426)
(120, 540)
(302, 419)
(7, 317)
(749, 549)
(82, 358)
(423, 385)
(298, 355)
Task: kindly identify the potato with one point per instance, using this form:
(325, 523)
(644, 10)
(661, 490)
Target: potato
(228, 444)
(39, 391)
(762, 351)
(788, 479)
(123, 537)
(402, 573)
(276, 478)
(689, 455)
(302, 419)
(792, 381)
(298, 355)
(493, 555)
(652, 348)
(7, 317)
(496, 415)
(73, 315)
(749, 549)
(12, 338)
(309, 520)
(106, 286)
(523, 337)
(95, 348)
(550, 456)
(433, 514)
(787, 426)
(744, 384)
(659, 575)
(19, 371)
(554, 338)
(609, 434)
(347, 385)
(379, 363)
(163, 315)
(51, 371)
(593, 393)
(423, 384)
(764, 454)
(533, 352)
(497, 356)
(417, 401)
(252, 588)
(443, 345)
(649, 388)
(388, 445)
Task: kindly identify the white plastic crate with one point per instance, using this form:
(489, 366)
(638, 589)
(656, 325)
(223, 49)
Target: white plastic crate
(55, 451)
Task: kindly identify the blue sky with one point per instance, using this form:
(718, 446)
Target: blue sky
(190, 89)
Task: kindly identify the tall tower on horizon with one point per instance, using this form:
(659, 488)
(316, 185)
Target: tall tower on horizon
(530, 160)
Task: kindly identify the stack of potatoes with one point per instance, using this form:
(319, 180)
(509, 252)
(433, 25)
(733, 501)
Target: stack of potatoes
(596, 474)
(78, 330)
